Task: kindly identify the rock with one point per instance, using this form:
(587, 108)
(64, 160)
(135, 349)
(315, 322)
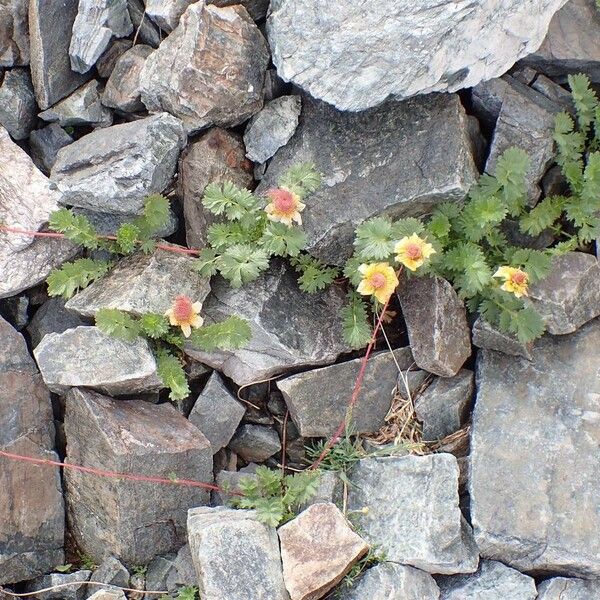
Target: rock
(318, 399)
(142, 283)
(390, 581)
(564, 588)
(14, 33)
(44, 145)
(157, 573)
(236, 557)
(437, 326)
(18, 109)
(50, 27)
(15, 311)
(318, 548)
(26, 201)
(96, 23)
(413, 511)
(444, 406)
(257, 9)
(492, 581)
(86, 357)
(76, 591)
(365, 170)
(217, 156)
(570, 295)
(51, 317)
(272, 127)
(114, 168)
(82, 107)
(210, 70)
(107, 595)
(419, 47)
(490, 338)
(488, 96)
(229, 482)
(542, 460)
(184, 573)
(32, 532)
(255, 443)
(145, 29)
(166, 13)
(217, 413)
(112, 572)
(123, 87)
(554, 92)
(132, 521)
(106, 63)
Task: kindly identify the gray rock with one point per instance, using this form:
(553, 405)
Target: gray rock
(217, 413)
(184, 573)
(32, 534)
(18, 109)
(15, 311)
(272, 127)
(114, 168)
(145, 29)
(274, 85)
(229, 482)
(129, 521)
(50, 27)
(318, 399)
(564, 588)
(96, 23)
(51, 317)
(363, 159)
(570, 295)
(166, 13)
(391, 581)
(106, 63)
(488, 96)
(437, 326)
(123, 86)
(289, 327)
(14, 33)
(236, 557)
(76, 591)
(490, 338)
(112, 572)
(492, 581)
(210, 70)
(541, 461)
(107, 595)
(255, 443)
(444, 406)
(413, 511)
(44, 145)
(82, 107)
(554, 92)
(142, 283)
(418, 47)
(257, 9)
(86, 357)
(157, 574)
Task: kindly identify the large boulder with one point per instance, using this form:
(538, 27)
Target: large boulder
(566, 588)
(14, 33)
(18, 108)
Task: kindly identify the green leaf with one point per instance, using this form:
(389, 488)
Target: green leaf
(188, 592)
(127, 237)
(281, 240)
(222, 235)
(439, 225)
(300, 487)
(536, 263)
(154, 325)
(63, 568)
(406, 227)
(356, 328)
(207, 262)
(117, 323)
(511, 168)
(543, 215)
(74, 276)
(375, 239)
(351, 270)
(527, 324)
(155, 215)
(301, 179)
(170, 370)
(242, 263)
(584, 99)
(230, 200)
(314, 275)
(229, 334)
(76, 228)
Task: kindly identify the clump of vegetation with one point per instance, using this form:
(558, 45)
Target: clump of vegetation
(373, 557)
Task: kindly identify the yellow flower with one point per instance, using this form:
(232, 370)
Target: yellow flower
(515, 280)
(412, 251)
(184, 313)
(285, 206)
(379, 279)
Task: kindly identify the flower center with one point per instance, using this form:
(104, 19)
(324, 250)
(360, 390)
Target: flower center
(414, 251)
(378, 280)
(519, 278)
(182, 308)
(284, 201)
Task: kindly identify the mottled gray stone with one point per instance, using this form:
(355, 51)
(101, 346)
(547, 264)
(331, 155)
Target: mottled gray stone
(210, 70)
(166, 13)
(113, 572)
(132, 521)
(413, 511)
(51, 317)
(114, 168)
(318, 399)
(257, 9)
(15, 311)
(533, 478)
(108, 595)
(45, 143)
(145, 29)
(76, 591)
(565, 588)
(437, 325)
(554, 92)
(184, 573)
(86, 357)
(255, 443)
(96, 23)
(490, 338)
(157, 574)
(18, 108)
(236, 557)
(229, 482)
(106, 63)
(14, 33)
(400, 159)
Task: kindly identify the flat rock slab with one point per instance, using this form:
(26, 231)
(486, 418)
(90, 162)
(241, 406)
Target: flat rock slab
(51, 317)
(490, 338)
(133, 521)
(534, 452)
(566, 588)
(255, 443)
(73, 585)
(18, 108)
(14, 33)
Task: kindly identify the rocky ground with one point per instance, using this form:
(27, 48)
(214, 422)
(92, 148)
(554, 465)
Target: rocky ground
(492, 491)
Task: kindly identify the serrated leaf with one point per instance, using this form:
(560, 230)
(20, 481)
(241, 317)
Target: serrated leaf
(543, 215)
(154, 325)
(351, 270)
(230, 334)
(170, 370)
(117, 323)
(375, 239)
(206, 263)
(127, 237)
(302, 179)
(230, 200)
(535, 263)
(76, 228)
(356, 328)
(315, 278)
(584, 99)
(242, 263)
(527, 324)
(281, 240)
(222, 235)
(75, 276)
(439, 225)
(155, 215)
(406, 227)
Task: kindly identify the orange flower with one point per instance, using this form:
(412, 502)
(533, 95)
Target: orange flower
(285, 206)
(184, 313)
(379, 280)
(516, 281)
(413, 251)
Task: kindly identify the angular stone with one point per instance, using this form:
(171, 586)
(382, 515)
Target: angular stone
(217, 413)
(184, 573)
(44, 145)
(365, 168)
(14, 33)
(210, 70)
(96, 23)
(15, 311)
(112, 572)
(106, 63)
(157, 573)
(255, 443)
(123, 86)
(51, 317)
(77, 590)
(133, 521)
(413, 511)
(391, 581)
(257, 9)
(420, 47)
(437, 325)
(18, 109)
(50, 27)
(217, 156)
(82, 107)
(114, 168)
(145, 29)
(554, 92)
(318, 548)
(166, 13)
(142, 283)
(32, 532)
(542, 461)
(107, 595)
(272, 127)
(570, 295)
(564, 588)
(318, 399)
(236, 557)
(490, 338)
(86, 357)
